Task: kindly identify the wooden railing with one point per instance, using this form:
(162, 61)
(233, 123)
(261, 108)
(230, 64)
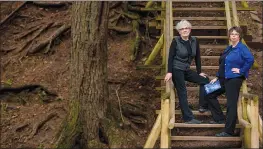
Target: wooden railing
(248, 114)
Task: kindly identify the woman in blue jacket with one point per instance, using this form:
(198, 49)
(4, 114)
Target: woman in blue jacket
(234, 65)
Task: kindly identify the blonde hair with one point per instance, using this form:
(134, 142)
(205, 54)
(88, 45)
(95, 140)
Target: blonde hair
(183, 23)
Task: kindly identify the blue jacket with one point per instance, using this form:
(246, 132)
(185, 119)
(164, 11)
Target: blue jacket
(240, 57)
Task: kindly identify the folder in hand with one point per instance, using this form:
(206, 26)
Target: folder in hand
(211, 87)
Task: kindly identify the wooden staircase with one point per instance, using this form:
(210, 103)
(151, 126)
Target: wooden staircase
(206, 43)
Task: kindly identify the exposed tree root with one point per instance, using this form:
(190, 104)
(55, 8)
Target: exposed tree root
(49, 4)
(21, 127)
(48, 42)
(12, 14)
(130, 15)
(117, 94)
(114, 20)
(115, 4)
(6, 50)
(119, 29)
(28, 33)
(134, 113)
(39, 124)
(26, 16)
(28, 43)
(136, 44)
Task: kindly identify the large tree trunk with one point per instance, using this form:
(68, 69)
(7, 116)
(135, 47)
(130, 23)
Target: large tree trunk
(88, 82)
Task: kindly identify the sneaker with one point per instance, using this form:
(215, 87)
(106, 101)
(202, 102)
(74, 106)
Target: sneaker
(203, 109)
(193, 121)
(223, 134)
(216, 122)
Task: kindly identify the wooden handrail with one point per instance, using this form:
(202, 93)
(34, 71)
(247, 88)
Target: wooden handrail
(155, 133)
(248, 95)
(228, 16)
(172, 108)
(243, 122)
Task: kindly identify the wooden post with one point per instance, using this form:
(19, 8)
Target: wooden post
(244, 123)
(165, 132)
(163, 23)
(165, 135)
(247, 131)
(247, 138)
(228, 17)
(254, 123)
(155, 51)
(260, 128)
(172, 107)
(154, 133)
(234, 11)
(149, 4)
(244, 4)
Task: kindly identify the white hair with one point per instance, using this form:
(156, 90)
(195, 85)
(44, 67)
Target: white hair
(182, 24)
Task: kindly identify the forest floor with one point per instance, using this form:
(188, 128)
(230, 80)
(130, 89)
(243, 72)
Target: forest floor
(28, 120)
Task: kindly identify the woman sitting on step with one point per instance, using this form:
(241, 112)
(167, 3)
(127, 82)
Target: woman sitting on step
(183, 50)
(234, 64)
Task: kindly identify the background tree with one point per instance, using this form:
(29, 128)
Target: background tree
(88, 82)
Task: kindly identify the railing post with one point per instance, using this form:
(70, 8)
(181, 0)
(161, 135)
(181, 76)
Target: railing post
(165, 135)
(244, 4)
(247, 131)
(234, 11)
(155, 133)
(254, 122)
(228, 16)
(164, 38)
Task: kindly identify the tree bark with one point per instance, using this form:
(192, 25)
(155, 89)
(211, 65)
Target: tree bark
(88, 82)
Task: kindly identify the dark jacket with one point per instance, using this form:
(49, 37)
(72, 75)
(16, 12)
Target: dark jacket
(240, 57)
(179, 57)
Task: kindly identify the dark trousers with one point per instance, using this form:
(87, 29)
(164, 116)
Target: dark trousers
(179, 77)
(232, 88)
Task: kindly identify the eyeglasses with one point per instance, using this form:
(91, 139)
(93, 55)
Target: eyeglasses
(237, 34)
(186, 28)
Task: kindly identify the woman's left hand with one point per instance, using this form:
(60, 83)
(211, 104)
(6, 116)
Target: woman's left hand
(203, 74)
(235, 70)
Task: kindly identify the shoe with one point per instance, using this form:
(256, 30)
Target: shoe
(223, 134)
(193, 121)
(216, 122)
(202, 109)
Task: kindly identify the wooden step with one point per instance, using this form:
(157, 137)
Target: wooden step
(210, 57)
(196, 9)
(205, 67)
(210, 9)
(220, 100)
(188, 88)
(197, 18)
(210, 46)
(199, 1)
(206, 138)
(178, 112)
(184, 125)
(162, 77)
(194, 101)
(211, 37)
(204, 37)
(198, 27)
(160, 66)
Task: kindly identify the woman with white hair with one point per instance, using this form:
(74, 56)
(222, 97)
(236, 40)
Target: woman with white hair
(183, 50)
